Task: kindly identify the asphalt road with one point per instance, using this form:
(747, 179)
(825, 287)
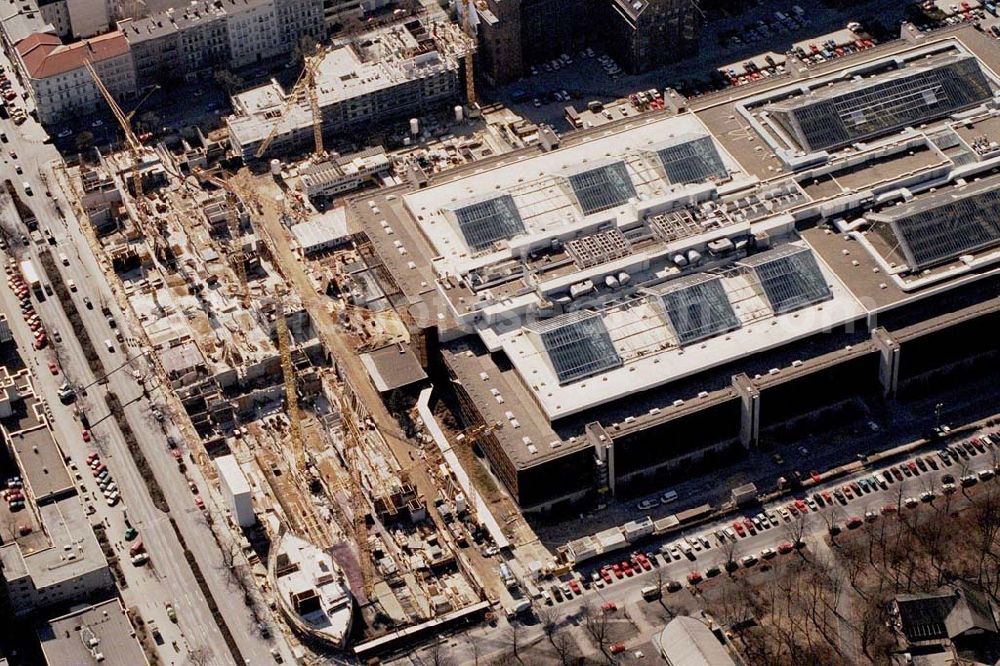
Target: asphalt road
(169, 579)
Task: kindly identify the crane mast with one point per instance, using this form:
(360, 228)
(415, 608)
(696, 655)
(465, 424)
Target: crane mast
(135, 148)
(470, 79)
(305, 86)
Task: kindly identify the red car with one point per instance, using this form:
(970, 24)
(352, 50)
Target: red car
(627, 569)
(609, 607)
(86, 435)
(606, 576)
(801, 506)
(889, 508)
(617, 571)
(643, 562)
(617, 648)
(92, 456)
(785, 548)
(854, 521)
(199, 501)
(827, 497)
(176, 454)
(694, 577)
(749, 525)
(738, 526)
(53, 368)
(575, 586)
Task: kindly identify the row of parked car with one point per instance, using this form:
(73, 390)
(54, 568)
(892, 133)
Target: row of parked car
(13, 494)
(17, 284)
(104, 481)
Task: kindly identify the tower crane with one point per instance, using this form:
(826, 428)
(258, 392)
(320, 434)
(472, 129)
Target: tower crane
(304, 85)
(470, 79)
(353, 439)
(291, 396)
(135, 148)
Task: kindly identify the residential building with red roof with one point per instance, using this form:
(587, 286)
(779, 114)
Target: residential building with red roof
(58, 78)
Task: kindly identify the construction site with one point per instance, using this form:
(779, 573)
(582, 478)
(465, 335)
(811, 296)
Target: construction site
(272, 330)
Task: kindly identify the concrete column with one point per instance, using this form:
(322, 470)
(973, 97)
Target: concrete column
(888, 369)
(604, 456)
(750, 412)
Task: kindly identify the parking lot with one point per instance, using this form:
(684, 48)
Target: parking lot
(591, 76)
(777, 530)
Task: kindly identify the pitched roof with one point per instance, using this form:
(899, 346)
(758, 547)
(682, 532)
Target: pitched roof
(947, 613)
(44, 55)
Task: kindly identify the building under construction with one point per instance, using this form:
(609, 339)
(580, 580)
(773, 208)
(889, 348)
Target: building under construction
(394, 72)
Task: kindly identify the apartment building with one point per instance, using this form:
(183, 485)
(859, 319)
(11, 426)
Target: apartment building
(219, 34)
(58, 80)
(389, 73)
(640, 34)
(250, 30)
(645, 34)
(77, 19)
(58, 560)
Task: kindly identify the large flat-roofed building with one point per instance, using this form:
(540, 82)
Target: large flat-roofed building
(69, 567)
(61, 562)
(394, 72)
(98, 634)
(654, 293)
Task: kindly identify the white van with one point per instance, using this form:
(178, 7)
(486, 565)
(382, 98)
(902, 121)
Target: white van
(650, 592)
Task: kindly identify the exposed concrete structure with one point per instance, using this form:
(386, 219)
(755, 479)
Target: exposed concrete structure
(391, 73)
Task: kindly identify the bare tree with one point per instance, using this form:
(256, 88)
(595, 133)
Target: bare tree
(435, 652)
(200, 656)
(730, 548)
(513, 638)
(596, 625)
(565, 649)
(475, 651)
(549, 623)
(794, 529)
(227, 564)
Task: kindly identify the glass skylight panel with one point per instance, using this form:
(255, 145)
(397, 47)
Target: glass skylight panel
(866, 108)
(602, 188)
(941, 229)
(696, 306)
(483, 223)
(691, 158)
(578, 345)
(789, 278)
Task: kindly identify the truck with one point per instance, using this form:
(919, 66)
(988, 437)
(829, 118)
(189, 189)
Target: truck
(154, 631)
(30, 274)
(506, 576)
(106, 311)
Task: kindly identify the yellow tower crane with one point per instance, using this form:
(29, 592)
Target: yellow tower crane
(291, 395)
(352, 440)
(236, 247)
(135, 148)
(470, 79)
(304, 86)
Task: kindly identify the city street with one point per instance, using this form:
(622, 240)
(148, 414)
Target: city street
(168, 578)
